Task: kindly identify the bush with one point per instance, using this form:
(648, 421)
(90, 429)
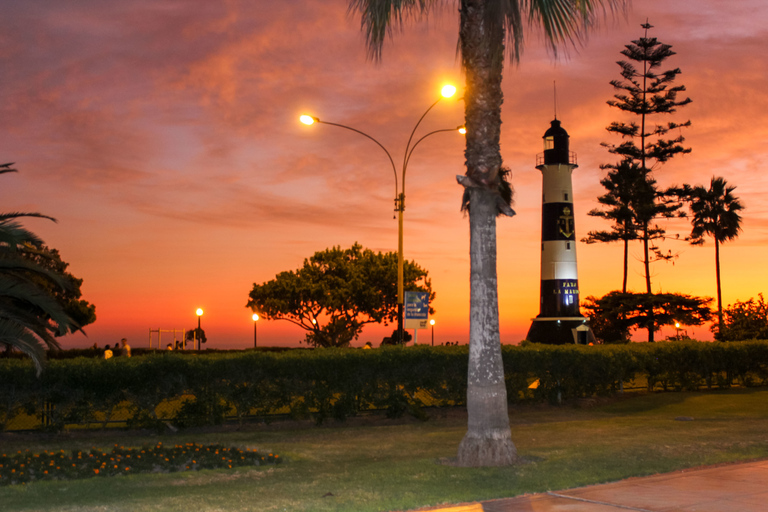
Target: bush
(170, 388)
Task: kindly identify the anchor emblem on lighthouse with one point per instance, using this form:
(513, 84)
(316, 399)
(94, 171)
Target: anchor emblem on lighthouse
(565, 223)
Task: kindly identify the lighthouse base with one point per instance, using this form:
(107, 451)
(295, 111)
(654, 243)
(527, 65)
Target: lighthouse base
(560, 331)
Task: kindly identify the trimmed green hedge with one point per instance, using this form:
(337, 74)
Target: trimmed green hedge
(152, 390)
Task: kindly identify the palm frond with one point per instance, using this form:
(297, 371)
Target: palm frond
(378, 19)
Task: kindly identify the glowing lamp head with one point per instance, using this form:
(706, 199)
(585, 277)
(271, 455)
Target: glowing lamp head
(677, 325)
(255, 317)
(199, 312)
(432, 322)
(307, 120)
(462, 130)
(447, 91)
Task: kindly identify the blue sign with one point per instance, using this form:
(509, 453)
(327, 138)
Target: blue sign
(416, 310)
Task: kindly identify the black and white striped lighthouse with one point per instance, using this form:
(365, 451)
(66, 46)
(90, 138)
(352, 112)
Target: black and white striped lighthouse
(559, 321)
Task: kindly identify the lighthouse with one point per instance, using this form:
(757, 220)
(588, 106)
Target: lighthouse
(559, 320)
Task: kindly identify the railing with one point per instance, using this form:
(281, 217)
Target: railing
(571, 159)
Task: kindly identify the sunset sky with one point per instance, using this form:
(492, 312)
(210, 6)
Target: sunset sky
(163, 136)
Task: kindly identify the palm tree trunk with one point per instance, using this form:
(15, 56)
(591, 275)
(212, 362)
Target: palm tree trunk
(488, 441)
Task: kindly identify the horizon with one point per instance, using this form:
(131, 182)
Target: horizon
(165, 140)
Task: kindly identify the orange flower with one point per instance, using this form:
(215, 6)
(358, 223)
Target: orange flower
(96, 471)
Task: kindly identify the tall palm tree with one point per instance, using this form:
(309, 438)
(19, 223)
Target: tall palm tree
(715, 212)
(487, 29)
(30, 316)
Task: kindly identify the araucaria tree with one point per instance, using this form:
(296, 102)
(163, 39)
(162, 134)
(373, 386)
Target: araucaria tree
(337, 292)
(487, 28)
(35, 290)
(715, 212)
(644, 92)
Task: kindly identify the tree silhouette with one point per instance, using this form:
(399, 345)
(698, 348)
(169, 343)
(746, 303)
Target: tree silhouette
(715, 212)
(616, 312)
(643, 91)
(31, 314)
(336, 293)
(484, 28)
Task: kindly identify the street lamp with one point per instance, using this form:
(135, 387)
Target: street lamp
(677, 329)
(199, 313)
(446, 92)
(432, 323)
(255, 331)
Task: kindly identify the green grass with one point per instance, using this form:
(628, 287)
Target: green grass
(396, 466)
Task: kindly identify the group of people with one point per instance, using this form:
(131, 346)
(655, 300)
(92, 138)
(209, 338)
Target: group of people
(120, 349)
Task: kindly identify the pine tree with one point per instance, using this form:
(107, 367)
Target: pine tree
(634, 201)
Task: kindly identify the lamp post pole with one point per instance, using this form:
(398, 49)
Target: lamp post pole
(432, 323)
(199, 313)
(255, 329)
(446, 92)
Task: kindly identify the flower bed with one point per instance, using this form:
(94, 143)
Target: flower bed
(22, 467)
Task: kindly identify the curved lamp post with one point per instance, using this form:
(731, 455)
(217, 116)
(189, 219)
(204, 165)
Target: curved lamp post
(446, 92)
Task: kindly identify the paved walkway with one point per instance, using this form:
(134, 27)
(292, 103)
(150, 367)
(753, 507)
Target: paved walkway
(728, 488)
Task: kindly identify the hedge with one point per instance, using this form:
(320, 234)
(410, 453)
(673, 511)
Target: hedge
(167, 388)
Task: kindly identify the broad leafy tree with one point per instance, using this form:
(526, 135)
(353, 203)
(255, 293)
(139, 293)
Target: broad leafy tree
(487, 30)
(195, 335)
(337, 292)
(79, 310)
(617, 313)
(32, 311)
(746, 320)
(715, 213)
(607, 329)
(645, 92)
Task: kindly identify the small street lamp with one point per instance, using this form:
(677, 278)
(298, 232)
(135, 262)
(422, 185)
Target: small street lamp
(446, 92)
(677, 328)
(255, 330)
(432, 323)
(199, 314)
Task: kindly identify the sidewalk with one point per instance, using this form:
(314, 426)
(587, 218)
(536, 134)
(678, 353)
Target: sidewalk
(728, 488)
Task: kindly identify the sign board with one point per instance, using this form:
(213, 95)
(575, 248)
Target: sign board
(416, 310)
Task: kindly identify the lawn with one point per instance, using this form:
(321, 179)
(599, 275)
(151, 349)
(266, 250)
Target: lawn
(381, 465)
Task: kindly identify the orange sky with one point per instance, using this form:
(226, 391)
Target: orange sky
(164, 137)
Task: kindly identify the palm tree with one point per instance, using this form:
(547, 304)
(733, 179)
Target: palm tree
(30, 315)
(714, 212)
(485, 27)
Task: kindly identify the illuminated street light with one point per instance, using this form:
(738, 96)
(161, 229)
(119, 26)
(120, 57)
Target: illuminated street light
(308, 120)
(446, 92)
(255, 331)
(432, 323)
(199, 314)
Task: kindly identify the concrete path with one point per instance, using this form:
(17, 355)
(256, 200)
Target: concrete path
(728, 488)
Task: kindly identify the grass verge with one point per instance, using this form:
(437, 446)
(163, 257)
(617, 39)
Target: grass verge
(397, 466)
